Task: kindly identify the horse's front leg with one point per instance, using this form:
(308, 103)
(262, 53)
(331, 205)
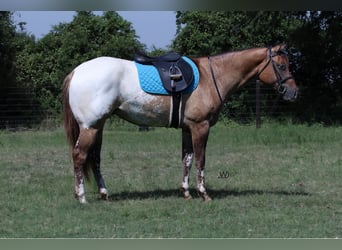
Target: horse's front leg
(187, 157)
(200, 134)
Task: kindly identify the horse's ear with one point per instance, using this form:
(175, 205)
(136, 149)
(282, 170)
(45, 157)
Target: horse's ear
(280, 49)
(282, 46)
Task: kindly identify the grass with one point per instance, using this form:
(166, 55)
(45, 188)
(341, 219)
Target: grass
(282, 181)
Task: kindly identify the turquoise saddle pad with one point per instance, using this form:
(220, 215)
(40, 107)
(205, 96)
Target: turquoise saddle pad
(151, 83)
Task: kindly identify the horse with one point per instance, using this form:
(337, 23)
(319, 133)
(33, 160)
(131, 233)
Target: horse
(105, 86)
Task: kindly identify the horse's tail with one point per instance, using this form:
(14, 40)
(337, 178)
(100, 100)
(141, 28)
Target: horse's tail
(71, 127)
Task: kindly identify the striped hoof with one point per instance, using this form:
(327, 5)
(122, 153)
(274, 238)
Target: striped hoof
(204, 196)
(186, 194)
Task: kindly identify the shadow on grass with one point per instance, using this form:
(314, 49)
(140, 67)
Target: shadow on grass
(214, 194)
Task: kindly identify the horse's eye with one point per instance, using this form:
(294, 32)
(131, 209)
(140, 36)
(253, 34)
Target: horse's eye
(282, 67)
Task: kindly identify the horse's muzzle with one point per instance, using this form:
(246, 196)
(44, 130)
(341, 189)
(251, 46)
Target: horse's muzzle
(290, 94)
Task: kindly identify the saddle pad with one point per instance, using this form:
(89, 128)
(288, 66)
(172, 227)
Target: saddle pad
(151, 83)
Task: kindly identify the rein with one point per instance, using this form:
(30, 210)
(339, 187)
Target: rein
(280, 80)
(214, 80)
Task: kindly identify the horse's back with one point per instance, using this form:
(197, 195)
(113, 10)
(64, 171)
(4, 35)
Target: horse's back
(102, 67)
(105, 85)
(95, 87)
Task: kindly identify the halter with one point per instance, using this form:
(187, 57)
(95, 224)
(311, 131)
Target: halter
(280, 80)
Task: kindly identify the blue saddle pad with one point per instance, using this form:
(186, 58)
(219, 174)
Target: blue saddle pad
(151, 83)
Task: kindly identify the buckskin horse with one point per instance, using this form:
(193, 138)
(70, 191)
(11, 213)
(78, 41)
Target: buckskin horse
(104, 86)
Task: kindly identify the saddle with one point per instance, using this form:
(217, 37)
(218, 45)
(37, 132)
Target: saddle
(175, 73)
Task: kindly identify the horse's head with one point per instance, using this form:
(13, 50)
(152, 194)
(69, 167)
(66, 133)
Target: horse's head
(276, 71)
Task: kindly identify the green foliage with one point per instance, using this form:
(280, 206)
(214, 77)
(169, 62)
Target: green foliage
(16, 102)
(45, 64)
(203, 33)
(210, 32)
(313, 39)
(36, 68)
(7, 49)
(318, 65)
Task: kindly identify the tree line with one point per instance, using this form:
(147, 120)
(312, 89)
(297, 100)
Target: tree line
(37, 67)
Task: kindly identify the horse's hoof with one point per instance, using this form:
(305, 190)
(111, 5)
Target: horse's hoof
(204, 196)
(186, 194)
(187, 197)
(104, 194)
(82, 201)
(81, 198)
(105, 197)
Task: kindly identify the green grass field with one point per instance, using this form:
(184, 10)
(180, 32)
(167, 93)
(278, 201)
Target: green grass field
(282, 181)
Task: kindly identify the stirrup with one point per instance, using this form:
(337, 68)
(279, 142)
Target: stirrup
(175, 75)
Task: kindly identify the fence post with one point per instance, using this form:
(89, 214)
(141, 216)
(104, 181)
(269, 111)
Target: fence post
(257, 104)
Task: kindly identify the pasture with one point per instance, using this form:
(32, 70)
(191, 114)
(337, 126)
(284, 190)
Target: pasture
(281, 181)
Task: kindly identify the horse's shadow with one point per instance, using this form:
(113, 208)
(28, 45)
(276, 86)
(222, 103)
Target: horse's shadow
(214, 193)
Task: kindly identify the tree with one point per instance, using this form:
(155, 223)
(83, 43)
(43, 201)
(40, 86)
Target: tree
(16, 103)
(319, 66)
(201, 33)
(44, 66)
(314, 46)
(7, 49)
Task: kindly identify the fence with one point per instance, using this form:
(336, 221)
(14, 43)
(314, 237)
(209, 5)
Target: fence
(18, 110)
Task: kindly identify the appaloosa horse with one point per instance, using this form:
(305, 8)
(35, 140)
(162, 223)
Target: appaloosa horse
(104, 86)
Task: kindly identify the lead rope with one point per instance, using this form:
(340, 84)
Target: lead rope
(214, 80)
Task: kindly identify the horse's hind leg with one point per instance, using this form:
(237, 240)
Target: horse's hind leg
(187, 156)
(83, 147)
(96, 158)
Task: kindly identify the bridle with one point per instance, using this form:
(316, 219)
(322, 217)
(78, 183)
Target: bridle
(281, 89)
(280, 80)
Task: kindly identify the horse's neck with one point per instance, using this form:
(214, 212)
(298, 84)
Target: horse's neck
(236, 68)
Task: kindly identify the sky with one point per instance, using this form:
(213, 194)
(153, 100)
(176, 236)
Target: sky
(154, 28)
